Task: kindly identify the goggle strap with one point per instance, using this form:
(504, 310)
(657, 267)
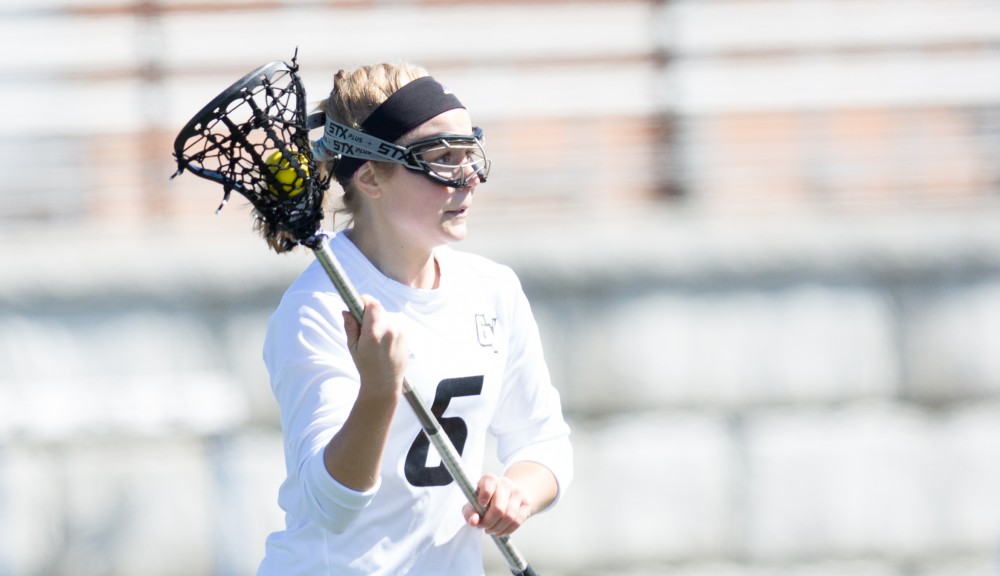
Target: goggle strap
(341, 140)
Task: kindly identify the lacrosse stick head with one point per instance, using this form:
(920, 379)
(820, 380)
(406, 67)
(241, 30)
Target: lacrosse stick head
(253, 138)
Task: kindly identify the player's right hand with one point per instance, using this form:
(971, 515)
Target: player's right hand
(378, 348)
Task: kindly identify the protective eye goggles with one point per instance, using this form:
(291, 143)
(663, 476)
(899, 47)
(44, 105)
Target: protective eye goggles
(449, 159)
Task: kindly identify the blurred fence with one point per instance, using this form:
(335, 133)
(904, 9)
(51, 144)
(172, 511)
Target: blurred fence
(588, 103)
(760, 237)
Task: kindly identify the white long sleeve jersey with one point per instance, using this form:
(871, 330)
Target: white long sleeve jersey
(475, 358)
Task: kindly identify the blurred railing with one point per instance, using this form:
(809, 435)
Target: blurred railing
(587, 104)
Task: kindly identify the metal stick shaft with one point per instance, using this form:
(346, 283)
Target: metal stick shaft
(431, 427)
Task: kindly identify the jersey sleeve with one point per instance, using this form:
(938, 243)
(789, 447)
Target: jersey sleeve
(529, 424)
(315, 383)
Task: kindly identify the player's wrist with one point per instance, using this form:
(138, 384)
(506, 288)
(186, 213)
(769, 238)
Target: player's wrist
(376, 395)
(537, 484)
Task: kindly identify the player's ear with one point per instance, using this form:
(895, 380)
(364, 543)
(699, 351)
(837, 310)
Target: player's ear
(367, 182)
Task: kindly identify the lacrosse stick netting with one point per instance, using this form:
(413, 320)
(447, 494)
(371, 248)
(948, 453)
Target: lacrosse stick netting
(232, 139)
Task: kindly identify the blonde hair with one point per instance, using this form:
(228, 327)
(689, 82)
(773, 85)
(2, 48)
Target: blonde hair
(355, 95)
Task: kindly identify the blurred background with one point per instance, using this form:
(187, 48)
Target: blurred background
(761, 239)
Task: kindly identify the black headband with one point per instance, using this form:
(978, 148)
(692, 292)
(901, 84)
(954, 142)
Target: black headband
(415, 103)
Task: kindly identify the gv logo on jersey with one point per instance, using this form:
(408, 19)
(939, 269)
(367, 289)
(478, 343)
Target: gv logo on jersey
(485, 331)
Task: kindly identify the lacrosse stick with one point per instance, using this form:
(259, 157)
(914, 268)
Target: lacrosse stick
(254, 138)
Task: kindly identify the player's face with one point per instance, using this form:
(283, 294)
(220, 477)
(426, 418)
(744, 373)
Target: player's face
(425, 211)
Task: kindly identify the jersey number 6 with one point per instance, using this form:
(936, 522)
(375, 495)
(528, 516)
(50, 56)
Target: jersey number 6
(418, 473)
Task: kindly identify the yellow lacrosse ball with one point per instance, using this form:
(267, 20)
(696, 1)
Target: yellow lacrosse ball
(291, 183)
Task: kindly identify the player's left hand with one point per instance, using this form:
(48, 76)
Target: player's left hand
(506, 506)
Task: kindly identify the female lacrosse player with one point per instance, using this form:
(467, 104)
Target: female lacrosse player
(365, 492)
